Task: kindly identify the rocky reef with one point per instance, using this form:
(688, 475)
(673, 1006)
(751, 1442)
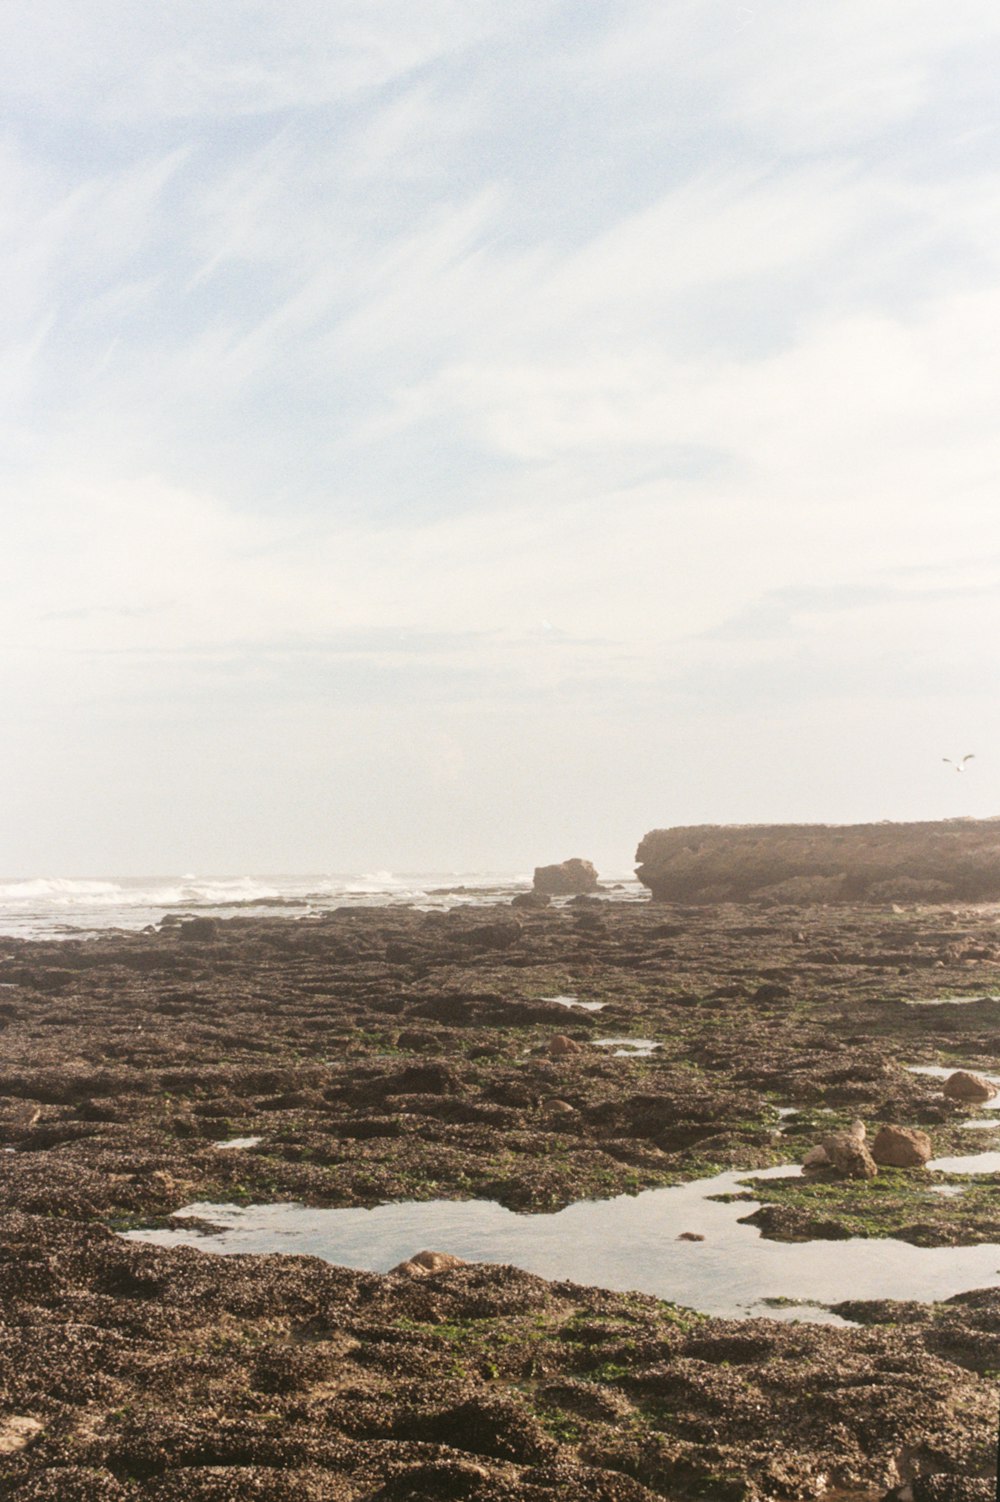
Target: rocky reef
(944, 861)
(367, 1056)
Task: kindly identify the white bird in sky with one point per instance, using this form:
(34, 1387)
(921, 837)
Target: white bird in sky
(960, 765)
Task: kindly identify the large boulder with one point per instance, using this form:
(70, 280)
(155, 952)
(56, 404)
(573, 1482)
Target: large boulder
(567, 879)
(901, 1147)
(941, 861)
(963, 1085)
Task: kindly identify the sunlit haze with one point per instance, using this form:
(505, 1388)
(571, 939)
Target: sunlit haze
(460, 436)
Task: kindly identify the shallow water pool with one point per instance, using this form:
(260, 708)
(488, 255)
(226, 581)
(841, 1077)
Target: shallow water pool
(629, 1242)
(628, 1048)
(574, 1003)
(946, 1001)
(945, 1071)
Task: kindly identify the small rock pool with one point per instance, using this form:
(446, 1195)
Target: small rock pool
(630, 1242)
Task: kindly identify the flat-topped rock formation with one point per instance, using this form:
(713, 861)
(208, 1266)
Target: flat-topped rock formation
(942, 861)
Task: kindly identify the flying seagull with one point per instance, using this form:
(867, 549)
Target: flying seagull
(959, 765)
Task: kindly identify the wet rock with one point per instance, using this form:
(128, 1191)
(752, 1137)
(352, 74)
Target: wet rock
(420, 1079)
(946, 1489)
(19, 1114)
(566, 879)
(901, 1147)
(536, 900)
(787, 1223)
(497, 1427)
(197, 930)
(424, 1263)
(561, 1045)
(963, 1085)
(690, 1236)
(442, 1479)
(771, 991)
(484, 936)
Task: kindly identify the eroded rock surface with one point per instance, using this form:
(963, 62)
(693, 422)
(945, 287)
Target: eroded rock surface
(572, 878)
(385, 1055)
(950, 859)
(170, 1374)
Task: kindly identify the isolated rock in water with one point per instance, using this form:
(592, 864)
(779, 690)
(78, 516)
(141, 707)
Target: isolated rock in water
(531, 899)
(963, 1085)
(560, 1045)
(958, 860)
(425, 1263)
(849, 1157)
(567, 879)
(901, 1147)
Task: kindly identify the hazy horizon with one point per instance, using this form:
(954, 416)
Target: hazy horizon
(468, 436)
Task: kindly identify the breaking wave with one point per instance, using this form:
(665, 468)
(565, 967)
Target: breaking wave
(61, 907)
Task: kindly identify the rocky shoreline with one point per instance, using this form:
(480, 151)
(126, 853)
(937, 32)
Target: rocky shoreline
(388, 1054)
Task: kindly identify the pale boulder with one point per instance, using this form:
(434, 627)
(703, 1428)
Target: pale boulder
(425, 1263)
(848, 1155)
(963, 1085)
(17, 1431)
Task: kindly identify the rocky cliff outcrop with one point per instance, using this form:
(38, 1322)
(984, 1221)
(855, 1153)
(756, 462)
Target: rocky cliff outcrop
(944, 861)
(567, 879)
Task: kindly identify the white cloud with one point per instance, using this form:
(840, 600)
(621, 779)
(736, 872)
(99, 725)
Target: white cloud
(182, 60)
(342, 347)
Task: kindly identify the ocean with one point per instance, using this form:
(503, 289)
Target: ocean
(63, 907)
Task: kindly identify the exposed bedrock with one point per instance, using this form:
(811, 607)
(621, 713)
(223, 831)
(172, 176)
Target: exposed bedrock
(567, 879)
(944, 861)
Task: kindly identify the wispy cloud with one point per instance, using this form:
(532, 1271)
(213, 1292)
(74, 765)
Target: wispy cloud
(343, 348)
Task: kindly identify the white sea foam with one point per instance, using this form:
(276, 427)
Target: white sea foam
(56, 889)
(61, 907)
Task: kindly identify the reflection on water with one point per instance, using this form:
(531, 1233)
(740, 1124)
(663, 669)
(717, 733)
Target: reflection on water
(972, 1163)
(628, 1048)
(946, 1001)
(237, 1142)
(945, 1071)
(576, 1003)
(625, 1243)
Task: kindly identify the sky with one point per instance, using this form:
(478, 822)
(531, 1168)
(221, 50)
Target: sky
(464, 435)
